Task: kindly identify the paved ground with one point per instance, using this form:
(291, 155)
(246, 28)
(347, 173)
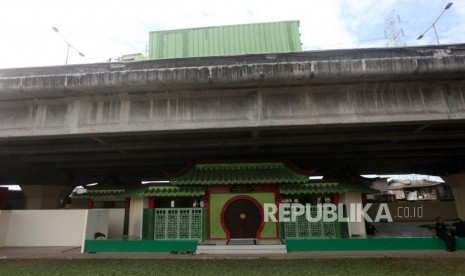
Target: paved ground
(74, 253)
(403, 229)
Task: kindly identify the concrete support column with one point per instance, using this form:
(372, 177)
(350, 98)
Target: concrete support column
(457, 183)
(136, 216)
(4, 226)
(356, 228)
(43, 196)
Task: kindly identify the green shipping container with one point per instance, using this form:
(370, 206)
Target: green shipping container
(273, 37)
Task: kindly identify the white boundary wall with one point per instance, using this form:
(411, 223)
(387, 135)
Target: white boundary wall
(57, 227)
(42, 227)
(4, 221)
(116, 223)
(355, 228)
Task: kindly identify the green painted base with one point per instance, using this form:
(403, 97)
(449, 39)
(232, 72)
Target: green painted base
(369, 244)
(124, 246)
(169, 246)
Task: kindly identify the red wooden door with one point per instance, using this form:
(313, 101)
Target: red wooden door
(242, 219)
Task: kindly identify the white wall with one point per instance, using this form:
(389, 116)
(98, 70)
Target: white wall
(42, 227)
(136, 215)
(355, 228)
(116, 223)
(96, 221)
(58, 227)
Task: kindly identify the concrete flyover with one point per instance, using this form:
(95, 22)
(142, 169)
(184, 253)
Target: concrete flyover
(389, 110)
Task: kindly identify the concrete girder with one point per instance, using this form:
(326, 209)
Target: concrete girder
(366, 103)
(396, 65)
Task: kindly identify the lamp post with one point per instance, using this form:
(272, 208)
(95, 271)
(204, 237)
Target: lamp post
(55, 29)
(434, 23)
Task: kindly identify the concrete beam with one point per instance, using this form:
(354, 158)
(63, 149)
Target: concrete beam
(406, 102)
(407, 64)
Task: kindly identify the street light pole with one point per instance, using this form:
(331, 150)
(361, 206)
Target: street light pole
(436, 33)
(55, 29)
(434, 23)
(67, 54)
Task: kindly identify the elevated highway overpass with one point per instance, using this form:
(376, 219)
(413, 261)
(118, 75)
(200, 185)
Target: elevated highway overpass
(386, 111)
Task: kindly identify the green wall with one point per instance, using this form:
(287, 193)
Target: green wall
(217, 202)
(148, 224)
(167, 246)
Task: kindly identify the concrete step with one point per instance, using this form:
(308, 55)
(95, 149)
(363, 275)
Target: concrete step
(241, 249)
(242, 242)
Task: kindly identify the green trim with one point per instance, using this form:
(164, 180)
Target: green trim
(240, 174)
(362, 244)
(166, 246)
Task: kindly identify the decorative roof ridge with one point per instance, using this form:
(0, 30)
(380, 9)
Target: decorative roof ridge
(236, 172)
(200, 164)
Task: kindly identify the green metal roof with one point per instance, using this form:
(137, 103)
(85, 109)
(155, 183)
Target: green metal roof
(171, 191)
(325, 188)
(240, 173)
(103, 194)
(273, 37)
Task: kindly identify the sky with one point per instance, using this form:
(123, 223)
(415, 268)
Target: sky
(102, 29)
